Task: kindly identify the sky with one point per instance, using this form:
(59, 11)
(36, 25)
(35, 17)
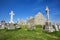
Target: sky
(26, 8)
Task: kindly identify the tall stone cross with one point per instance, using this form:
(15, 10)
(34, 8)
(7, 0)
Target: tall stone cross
(47, 13)
(11, 17)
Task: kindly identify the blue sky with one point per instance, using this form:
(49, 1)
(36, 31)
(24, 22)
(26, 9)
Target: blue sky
(27, 8)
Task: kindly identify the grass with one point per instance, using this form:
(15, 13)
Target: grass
(24, 34)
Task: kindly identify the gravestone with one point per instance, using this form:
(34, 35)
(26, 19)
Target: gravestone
(18, 24)
(2, 26)
(30, 23)
(7, 25)
(11, 26)
(31, 26)
(56, 27)
(59, 26)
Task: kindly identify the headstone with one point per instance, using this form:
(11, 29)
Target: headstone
(7, 25)
(30, 23)
(59, 26)
(31, 26)
(11, 26)
(22, 22)
(2, 26)
(56, 28)
(18, 24)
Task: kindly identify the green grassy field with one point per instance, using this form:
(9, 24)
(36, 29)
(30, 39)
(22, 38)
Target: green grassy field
(24, 34)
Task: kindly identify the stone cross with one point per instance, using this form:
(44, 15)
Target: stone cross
(11, 17)
(47, 12)
(48, 26)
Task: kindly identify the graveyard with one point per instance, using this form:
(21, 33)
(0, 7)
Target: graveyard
(35, 28)
(24, 34)
(29, 19)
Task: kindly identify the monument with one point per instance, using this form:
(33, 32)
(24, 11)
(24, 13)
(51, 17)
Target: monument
(18, 24)
(11, 17)
(11, 23)
(56, 27)
(59, 26)
(30, 24)
(48, 26)
(22, 21)
(2, 25)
